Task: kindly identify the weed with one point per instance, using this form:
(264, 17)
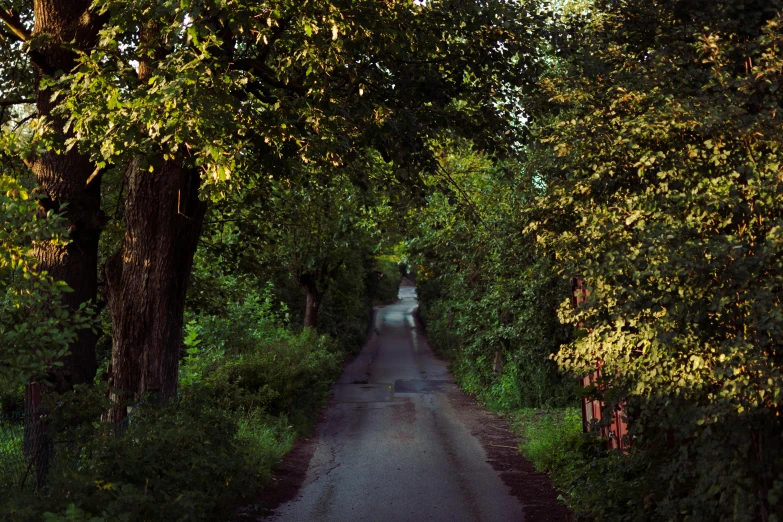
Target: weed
(12, 461)
(550, 436)
(267, 440)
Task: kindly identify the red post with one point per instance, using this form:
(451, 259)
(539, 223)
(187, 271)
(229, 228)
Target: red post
(593, 410)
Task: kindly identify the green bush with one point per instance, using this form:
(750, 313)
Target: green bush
(247, 358)
(662, 167)
(347, 306)
(484, 289)
(36, 328)
(388, 286)
(12, 460)
(249, 384)
(598, 484)
(180, 461)
(609, 485)
(267, 439)
(240, 313)
(287, 377)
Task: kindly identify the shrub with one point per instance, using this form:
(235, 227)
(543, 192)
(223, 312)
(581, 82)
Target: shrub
(346, 310)
(267, 440)
(180, 461)
(36, 328)
(485, 289)
(286, 377)
(662, 167)
(388, 285)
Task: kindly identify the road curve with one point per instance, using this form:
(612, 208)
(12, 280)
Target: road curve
(392, 446)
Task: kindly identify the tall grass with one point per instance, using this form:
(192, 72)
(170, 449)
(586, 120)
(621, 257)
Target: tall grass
(267, 440)
(550, 436)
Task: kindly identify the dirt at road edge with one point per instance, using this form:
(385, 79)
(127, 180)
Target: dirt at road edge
(533, 489)
(289, 476)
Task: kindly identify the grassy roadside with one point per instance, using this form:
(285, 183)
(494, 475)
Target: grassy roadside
(553, 441)
(551, 438)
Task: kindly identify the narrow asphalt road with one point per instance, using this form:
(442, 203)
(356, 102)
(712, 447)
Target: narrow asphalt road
(392, 445)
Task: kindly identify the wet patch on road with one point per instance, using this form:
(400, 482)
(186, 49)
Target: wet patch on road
(368, 392)
(423, 386)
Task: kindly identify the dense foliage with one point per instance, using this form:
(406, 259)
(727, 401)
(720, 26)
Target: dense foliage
(177, 103)
(181, 461)
(250, 382)
(245, 172)
(35, 329)
(655, 173)
(483, 288)
(663, 170)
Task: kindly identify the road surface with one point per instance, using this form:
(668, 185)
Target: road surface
(393, 445)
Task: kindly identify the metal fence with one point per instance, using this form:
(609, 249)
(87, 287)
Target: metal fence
(26, 453)
(615, 429)
(12, 460)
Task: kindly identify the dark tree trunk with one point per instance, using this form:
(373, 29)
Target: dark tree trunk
(64, 180)
(147, 279)
(311, 308)
(315, 294)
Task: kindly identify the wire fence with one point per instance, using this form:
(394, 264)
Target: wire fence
(26, 453)
(12, 460)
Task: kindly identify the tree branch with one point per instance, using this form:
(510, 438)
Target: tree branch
(16, 101)
(277, 32)
(96, 175)
(14, 24)
(263, 72)
(24, 120)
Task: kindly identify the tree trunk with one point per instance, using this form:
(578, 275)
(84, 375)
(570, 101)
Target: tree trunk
(64, 176)
(311, 308)
(64, 180)
(147, 279)
(315, 294)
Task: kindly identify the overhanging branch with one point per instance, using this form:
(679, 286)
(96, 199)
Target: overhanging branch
(263, 73)
(14, 24)
(16, 101)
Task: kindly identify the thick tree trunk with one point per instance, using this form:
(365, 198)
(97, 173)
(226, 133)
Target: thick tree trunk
(64, 177)
(64, 180)
(148, 278)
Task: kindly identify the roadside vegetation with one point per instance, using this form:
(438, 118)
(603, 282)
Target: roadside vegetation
(250, 381)
(201, 201)
(551, 438)
(652, 172)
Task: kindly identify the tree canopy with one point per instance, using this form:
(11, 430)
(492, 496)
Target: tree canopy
(173, 171)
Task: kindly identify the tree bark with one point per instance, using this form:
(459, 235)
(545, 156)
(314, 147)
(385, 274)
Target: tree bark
(63, 178)
(311, 309)
(314, 297)
(148, 278)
